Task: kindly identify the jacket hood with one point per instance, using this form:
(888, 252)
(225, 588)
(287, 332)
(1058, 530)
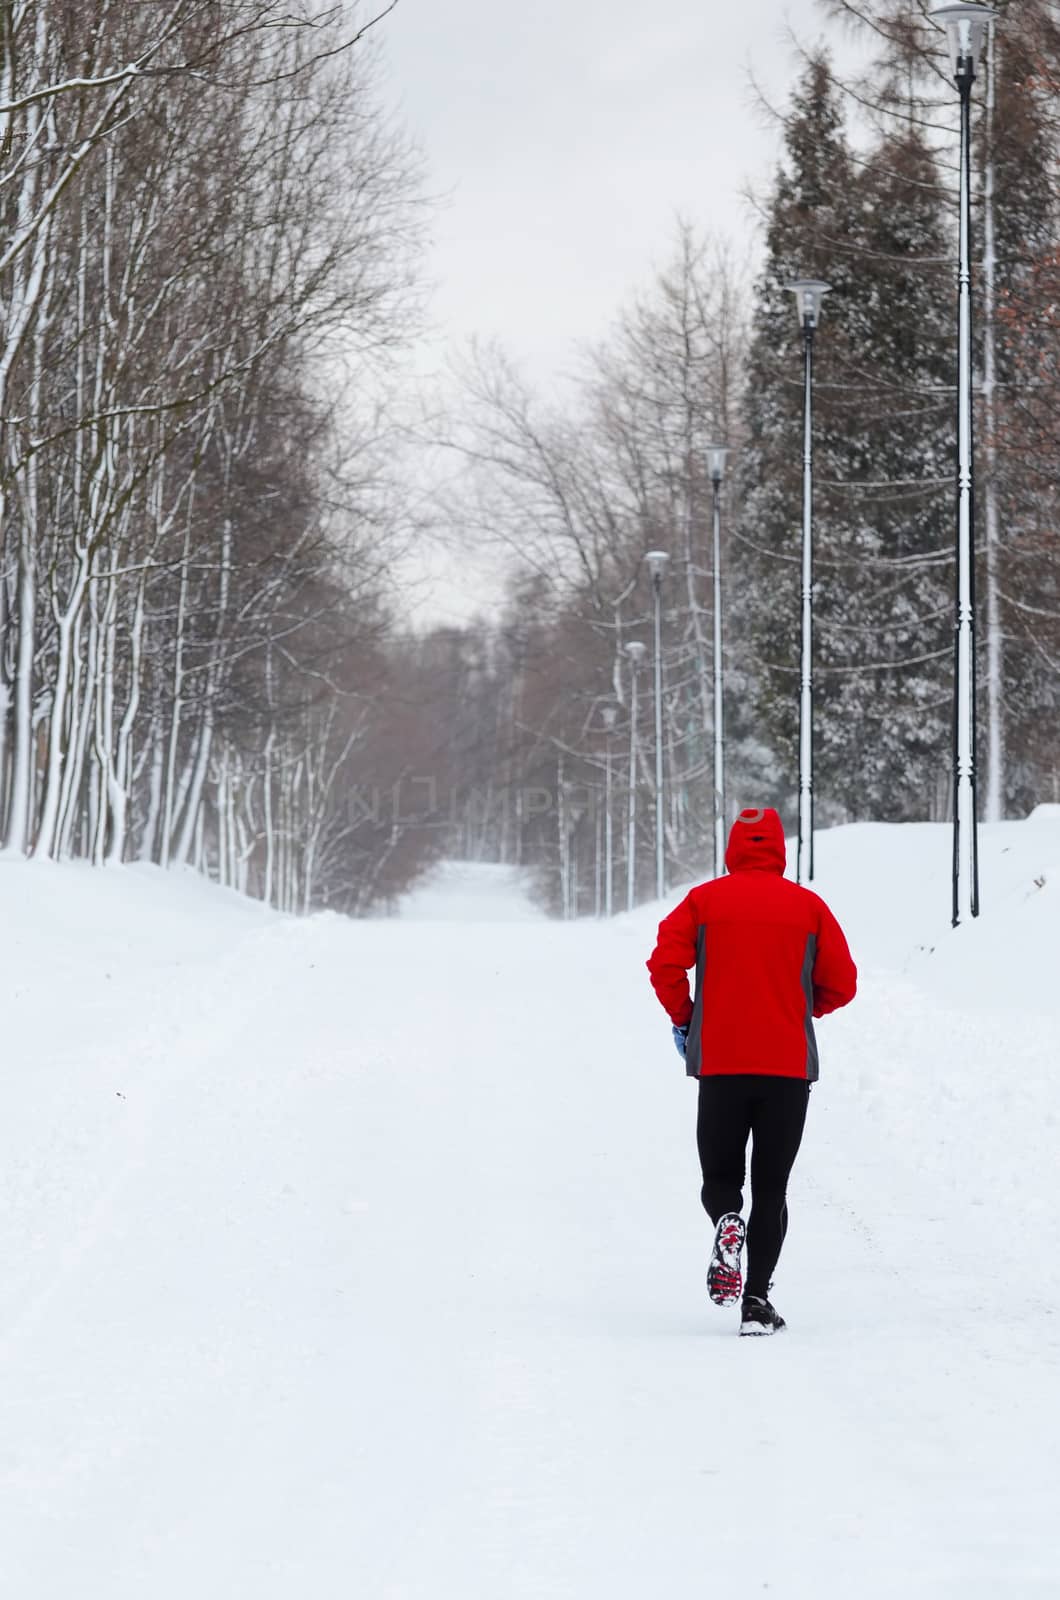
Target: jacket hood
(756, 843)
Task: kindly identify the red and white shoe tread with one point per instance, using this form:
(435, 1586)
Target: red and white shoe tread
(724, 1276)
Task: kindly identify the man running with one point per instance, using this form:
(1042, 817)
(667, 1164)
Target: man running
(769, 957)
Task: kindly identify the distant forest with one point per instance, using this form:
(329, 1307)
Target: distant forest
(210, 255)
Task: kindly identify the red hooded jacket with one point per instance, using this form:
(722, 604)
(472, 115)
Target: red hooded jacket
(769, 957)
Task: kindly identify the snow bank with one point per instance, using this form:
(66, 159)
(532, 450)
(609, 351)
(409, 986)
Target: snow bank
(111, 980)
(366, 1258)
(893, 887)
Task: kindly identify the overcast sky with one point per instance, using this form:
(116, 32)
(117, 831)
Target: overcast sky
(566, 134)
(564, 137)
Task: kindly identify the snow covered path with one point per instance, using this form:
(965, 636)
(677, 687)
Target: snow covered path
(366, 1259)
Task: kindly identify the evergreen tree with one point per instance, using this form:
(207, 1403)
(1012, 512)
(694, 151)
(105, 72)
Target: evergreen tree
(885, 568)
(882, 431)
(806, 219)
(1020, 145)
(1015, 282)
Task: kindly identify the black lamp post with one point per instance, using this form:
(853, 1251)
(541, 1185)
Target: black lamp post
(657, 561)
(609, 715)
(966, 27)
(808, 292)
(718, 453)
(636, 651)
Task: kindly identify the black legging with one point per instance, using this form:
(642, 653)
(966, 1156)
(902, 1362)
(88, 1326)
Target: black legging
(773, 1112)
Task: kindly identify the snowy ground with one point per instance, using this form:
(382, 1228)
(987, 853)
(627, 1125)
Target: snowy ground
(366, 1260)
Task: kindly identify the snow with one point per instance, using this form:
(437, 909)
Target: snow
(366, 1258)
(463, 891)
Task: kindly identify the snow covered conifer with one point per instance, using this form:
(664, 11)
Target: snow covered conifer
(870, 227)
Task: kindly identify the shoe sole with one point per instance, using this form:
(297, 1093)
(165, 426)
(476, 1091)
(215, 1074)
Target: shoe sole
(760, 1332)
(724, 1277)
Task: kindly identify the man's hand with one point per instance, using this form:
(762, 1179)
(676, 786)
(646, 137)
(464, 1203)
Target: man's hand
(681, 1039)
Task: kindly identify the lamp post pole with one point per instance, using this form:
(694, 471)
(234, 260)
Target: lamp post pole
(717, 472)
(809, 292)
(576, 814)
(610, 714)
(966, 27)
(635, 651)
(657, 561)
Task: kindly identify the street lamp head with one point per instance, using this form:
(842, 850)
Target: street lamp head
(658, 561)
(716, 454)
(636, 651)
(965, 27)
(809, 292)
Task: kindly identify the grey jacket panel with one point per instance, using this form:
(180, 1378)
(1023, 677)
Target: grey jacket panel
(808, 960)
(693, 1049)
